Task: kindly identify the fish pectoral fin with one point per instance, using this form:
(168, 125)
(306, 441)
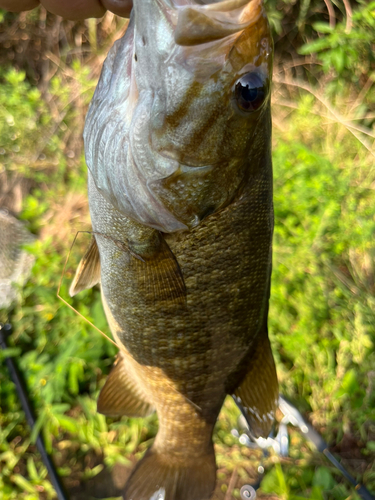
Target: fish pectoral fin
(121, 395)
(88, 270)
(160, 276)
(259, 391)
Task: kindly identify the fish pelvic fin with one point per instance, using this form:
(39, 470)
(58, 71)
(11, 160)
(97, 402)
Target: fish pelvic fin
(160, 476)
(88, 270)
(121, 395)
(259, 391)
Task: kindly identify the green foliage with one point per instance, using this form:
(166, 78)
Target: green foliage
(322, 312)
(21, 117)
(322, 302)
(347, 50)
(33, 135)
(297, 484)
(304, 16)
(322, 305)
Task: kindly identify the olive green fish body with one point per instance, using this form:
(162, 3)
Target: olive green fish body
(188, 355)
(180, 187)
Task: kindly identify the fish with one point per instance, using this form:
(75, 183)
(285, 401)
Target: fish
(178, 148)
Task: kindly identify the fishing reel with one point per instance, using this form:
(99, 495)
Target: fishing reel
(279, 443)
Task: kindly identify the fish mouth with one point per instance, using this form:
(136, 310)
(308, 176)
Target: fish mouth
(206, 22)
(214, 5)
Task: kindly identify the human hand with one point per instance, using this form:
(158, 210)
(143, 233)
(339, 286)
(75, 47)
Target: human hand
(72, 9)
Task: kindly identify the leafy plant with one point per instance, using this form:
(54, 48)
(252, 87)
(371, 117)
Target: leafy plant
(348, 49)
(322, 302)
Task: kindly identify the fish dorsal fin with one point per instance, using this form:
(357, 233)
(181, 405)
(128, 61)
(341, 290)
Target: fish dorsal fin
(88, 270)
(121, 394)
(258, 393)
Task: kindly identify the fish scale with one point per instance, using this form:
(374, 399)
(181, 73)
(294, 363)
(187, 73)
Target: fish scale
(180, 193)
(213, 311)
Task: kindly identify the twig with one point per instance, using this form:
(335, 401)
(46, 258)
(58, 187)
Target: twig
(303, 61)
(231, 484)
(349, 22)
(352, 128)
(363, 92)
(331, 12)
(344, 121)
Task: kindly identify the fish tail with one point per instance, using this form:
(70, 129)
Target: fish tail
(159, 476)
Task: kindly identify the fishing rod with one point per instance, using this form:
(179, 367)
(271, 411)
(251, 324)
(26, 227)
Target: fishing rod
(280, 444)
(5, 331)
(16, 266)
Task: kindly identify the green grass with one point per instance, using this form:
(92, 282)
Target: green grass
(321, 316)
(322, 297)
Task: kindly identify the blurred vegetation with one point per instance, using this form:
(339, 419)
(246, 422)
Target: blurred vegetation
(322, 306)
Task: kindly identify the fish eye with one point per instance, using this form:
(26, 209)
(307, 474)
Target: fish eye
(250, 91)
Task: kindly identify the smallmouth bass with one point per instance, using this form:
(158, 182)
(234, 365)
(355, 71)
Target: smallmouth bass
(177, 143)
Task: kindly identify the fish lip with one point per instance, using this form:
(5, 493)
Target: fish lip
(214, 6)
(199, 24)
(228, 5)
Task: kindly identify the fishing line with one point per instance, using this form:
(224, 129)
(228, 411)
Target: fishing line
(67, 303)
(123, 247)
(120, 244)
(280, 445)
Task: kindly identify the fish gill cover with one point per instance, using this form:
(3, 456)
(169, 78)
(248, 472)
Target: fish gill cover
(171, 61)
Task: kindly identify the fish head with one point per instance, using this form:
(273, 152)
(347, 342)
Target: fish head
(192, 93)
